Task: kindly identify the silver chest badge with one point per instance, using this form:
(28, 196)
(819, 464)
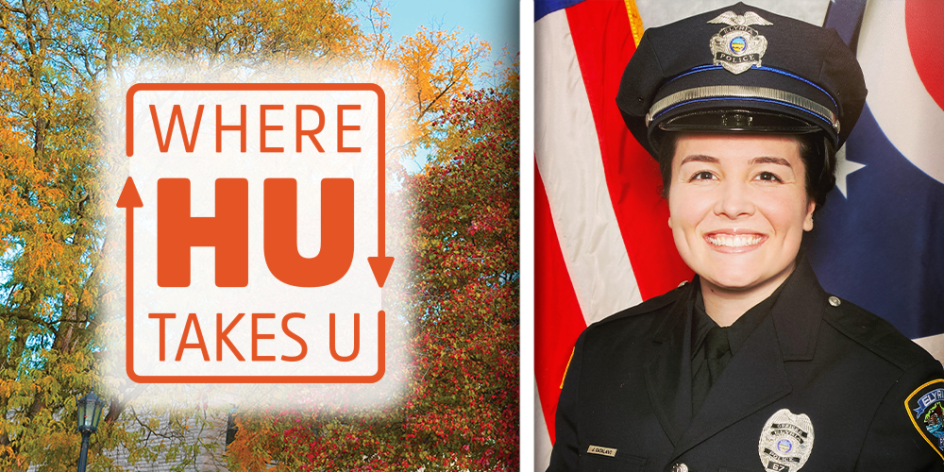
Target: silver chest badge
(785, 442)
(738, 46)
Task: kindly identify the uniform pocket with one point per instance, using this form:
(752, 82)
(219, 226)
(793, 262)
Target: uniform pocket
(621, 462)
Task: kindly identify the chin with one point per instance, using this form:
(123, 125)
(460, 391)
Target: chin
(734, 273)
(732, 281)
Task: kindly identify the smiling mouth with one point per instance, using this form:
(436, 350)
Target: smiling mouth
(734, 241)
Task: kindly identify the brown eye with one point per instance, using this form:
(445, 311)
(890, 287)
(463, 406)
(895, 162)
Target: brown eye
(769, 177)
(703, 175)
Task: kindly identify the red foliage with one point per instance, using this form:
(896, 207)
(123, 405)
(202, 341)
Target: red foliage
(460, 410)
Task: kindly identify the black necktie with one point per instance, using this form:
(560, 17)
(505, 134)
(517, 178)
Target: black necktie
(717, 354)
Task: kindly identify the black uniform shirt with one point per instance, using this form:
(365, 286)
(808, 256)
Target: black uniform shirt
(626, 401)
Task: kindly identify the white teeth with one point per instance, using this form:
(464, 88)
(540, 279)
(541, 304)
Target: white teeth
(734, 241)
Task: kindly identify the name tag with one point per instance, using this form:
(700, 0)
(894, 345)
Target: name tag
(603, 451)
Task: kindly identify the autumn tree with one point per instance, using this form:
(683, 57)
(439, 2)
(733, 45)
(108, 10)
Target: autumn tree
(437, 66)
(51, 223)
(463, 409)
(459, 220)
(60, 60)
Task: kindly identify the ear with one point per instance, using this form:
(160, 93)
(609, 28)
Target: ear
(808, 220)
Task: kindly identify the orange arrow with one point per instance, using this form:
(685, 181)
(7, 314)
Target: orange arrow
(381, 264)
(129, 199)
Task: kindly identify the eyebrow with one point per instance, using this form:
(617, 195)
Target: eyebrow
(770, 160)
(754, 161)
(698, 158)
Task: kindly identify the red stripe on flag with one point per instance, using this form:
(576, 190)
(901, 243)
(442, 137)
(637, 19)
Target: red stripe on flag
(604, 44)
(558, 320)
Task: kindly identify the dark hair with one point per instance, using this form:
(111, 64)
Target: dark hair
(816, 150)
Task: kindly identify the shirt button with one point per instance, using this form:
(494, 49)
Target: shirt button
(834, 300)
(679, 467)
(683, 283)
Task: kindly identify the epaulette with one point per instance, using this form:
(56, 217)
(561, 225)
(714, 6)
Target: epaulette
(876, 335)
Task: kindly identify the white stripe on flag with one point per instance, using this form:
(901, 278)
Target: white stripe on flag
(542, 441)
(934, 345)
(569, 160)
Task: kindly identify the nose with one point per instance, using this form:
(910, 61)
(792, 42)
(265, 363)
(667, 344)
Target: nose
(734, 200)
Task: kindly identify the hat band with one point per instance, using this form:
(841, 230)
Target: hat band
(774, 70)
(742, 91)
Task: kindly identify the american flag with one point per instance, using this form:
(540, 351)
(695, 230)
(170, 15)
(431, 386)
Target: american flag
(602, 242)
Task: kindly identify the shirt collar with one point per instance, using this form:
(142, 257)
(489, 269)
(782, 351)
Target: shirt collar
(741, 329)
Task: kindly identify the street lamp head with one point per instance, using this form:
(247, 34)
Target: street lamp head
(89, 413)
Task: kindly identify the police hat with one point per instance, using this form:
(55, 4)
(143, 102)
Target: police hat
(741, 69)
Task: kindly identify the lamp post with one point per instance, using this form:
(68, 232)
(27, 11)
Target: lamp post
(89, 412)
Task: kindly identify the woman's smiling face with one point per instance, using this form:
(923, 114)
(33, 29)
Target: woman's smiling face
(739, 206)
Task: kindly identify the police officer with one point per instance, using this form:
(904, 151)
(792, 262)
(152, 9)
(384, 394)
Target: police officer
(752, 366)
